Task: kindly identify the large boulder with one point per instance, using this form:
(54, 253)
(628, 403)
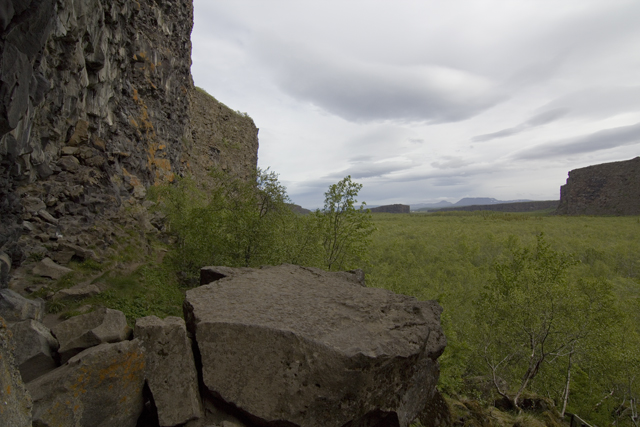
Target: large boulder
(16, 308)
(48, 268)
(103, 325)
(15, 401)
(102, 386)
(302, 346)
(170, 369)
(35, 347)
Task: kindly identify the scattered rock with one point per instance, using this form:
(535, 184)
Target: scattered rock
(15, 401)
(81, 253)
(35, 347)
(77, 293)
(33, 205)
(87, 330)
(170, 369)
(5, 268)
(102, 386)
(312, 348)
(16, 308)
(211, 274)
(69, 163)
(42, 213)
(436, 413)
(48, 268)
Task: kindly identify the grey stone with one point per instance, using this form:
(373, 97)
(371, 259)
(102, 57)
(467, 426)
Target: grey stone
(5, 268)
(42, 213)
(14, 397)
(48, 268)
(33, 204)
(69, 163)
(35, 347)
(170, 369)
(312, 348)
(102, 386)
(103, 325)
(82, 253)
(77, 293)
(16, 308)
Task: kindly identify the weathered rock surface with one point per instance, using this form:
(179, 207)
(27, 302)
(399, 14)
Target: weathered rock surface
(102, 386)
(15, 400)
(299, 345)
(5, 267)
(76, 293)
(219, 138)
(35, 347)
(97, 104)
(16, 308)
(170, 369)
(48, 268)
(87, 330)
(605, 189)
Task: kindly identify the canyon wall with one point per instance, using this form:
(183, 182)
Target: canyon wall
(97, 103)
(605, 189)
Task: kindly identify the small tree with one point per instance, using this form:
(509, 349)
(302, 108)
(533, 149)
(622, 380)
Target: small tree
(345, 231)
(532, 315)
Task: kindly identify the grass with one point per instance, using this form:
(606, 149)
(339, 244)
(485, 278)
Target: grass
(450, 256)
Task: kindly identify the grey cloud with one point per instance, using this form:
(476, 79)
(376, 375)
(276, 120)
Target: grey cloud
(363, 92)
(599, 102)
(369, 169)
(450, 163)
(602, 140)
(540, 119)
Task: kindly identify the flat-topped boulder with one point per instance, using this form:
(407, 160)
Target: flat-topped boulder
(297, 345)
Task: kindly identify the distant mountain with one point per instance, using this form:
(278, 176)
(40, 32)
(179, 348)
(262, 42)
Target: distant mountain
(469, 201)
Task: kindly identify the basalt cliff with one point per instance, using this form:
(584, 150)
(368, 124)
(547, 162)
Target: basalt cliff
(605, 189)
(97, 103)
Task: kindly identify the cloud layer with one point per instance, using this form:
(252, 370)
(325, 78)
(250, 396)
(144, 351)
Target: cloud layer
(427, 100)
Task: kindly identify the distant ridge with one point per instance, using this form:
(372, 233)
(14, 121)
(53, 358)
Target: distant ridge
(466, 201)
(397, 208)
(529, 206)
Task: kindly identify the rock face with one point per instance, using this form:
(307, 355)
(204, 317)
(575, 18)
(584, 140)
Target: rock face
(219, 138)
(35, 347)
(87, 330)
(323, 350)
(170, 369)
(605, 189)
(397, 208)
(16, 308)
(15, 400)
(102, 386)
(96, 105)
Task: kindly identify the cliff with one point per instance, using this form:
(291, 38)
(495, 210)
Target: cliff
(97, 104)
(605, 189)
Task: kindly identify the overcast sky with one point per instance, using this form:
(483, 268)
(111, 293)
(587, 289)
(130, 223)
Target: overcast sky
(427, 100)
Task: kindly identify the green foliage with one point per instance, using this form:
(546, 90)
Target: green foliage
(531, 315)
(344, 229)
(250, 223)
(452, 257)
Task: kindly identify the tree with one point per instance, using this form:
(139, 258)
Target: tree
(345, 231)
(531, 316)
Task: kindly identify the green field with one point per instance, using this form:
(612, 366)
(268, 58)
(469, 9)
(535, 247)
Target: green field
(451, 257)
